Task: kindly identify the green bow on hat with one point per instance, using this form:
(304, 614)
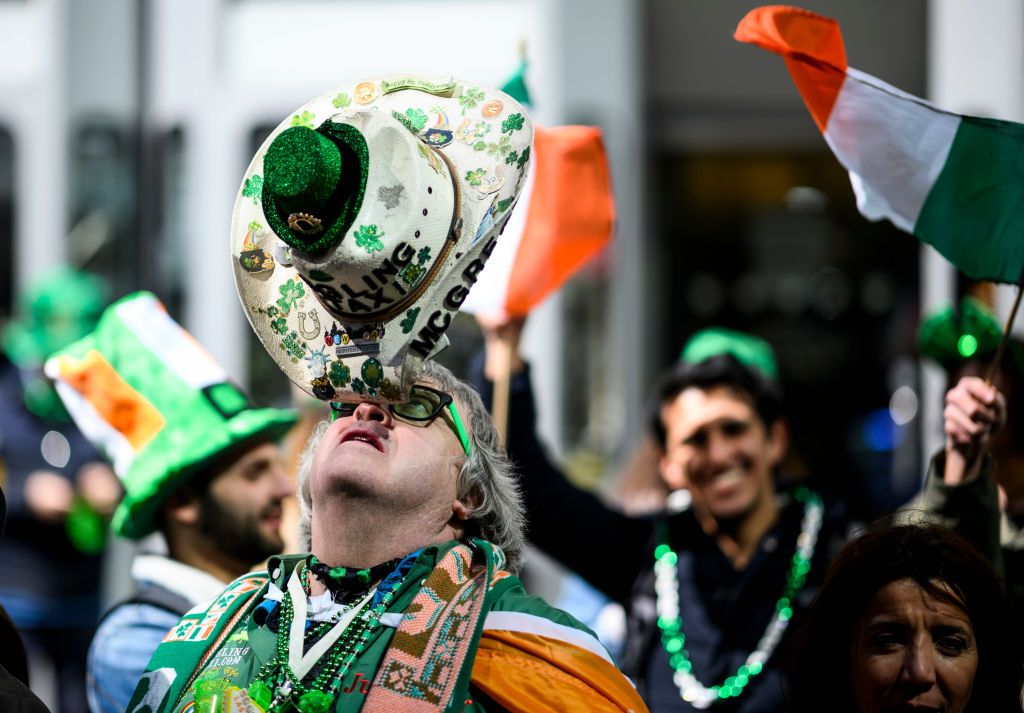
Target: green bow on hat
(747, 349)
(145, 393)
(951, 336)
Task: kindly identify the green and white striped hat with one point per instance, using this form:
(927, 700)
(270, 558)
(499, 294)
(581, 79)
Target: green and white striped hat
(148, 395)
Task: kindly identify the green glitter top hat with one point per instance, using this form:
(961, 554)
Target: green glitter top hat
(749, 350)
(951, 336)
(313, 186)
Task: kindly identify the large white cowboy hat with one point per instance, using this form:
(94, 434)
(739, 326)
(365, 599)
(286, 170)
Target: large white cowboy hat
(363, 221)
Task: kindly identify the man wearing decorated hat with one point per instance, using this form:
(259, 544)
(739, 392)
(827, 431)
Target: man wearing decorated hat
(709, 585)
(360, 227)
(198, 464)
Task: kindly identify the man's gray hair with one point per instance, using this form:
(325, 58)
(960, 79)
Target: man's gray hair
(486, 482)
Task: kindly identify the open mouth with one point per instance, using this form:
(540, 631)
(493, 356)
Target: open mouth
(727, 480)
(363, 435)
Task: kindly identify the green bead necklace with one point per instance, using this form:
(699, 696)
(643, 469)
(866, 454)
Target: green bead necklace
(278, 689)
(666, 586)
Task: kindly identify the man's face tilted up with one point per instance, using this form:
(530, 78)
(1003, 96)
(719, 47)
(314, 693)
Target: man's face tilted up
(719, 448)
(381, 454)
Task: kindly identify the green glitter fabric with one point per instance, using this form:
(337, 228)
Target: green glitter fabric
(321, 172)
(302, 169)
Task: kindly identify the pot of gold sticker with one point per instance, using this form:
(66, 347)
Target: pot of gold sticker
(254, 259)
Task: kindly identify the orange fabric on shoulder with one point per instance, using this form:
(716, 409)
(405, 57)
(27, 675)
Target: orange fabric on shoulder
(528, 672)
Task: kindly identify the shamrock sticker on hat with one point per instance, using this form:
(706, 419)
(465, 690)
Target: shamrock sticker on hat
(367, 238)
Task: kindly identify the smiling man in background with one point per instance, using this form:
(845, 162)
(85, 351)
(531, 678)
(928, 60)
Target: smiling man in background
(709, 590)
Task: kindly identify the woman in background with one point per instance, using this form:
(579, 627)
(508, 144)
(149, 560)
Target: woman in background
(909, 617)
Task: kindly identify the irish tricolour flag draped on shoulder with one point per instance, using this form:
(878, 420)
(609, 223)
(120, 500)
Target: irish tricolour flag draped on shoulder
(956, 182)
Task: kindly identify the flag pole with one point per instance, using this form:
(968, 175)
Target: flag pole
(994, 366)
(502, 380)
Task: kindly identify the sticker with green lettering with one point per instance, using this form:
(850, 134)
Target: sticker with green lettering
(437, 88)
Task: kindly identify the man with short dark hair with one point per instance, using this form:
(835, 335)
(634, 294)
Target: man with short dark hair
(198, 463)
(710, 590)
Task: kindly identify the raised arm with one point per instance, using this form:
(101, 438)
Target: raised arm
(570, 524)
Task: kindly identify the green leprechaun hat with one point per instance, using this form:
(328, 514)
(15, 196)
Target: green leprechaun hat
(751, 351)
(314, 180)
(59, 307)
(147, 394)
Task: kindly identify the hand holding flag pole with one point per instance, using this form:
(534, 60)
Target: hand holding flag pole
(963, 463)
(502, 360)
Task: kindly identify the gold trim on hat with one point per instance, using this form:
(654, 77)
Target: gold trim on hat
(305, 223)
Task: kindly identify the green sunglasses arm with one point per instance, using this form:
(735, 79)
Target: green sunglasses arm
(460, 428)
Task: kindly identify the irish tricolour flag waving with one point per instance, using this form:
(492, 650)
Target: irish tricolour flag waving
(565, 217)
(956, 182)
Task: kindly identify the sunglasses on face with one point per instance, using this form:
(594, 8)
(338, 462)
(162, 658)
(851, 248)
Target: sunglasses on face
(424, 405)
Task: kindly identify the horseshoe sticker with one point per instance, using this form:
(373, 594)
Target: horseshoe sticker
(313, 331)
